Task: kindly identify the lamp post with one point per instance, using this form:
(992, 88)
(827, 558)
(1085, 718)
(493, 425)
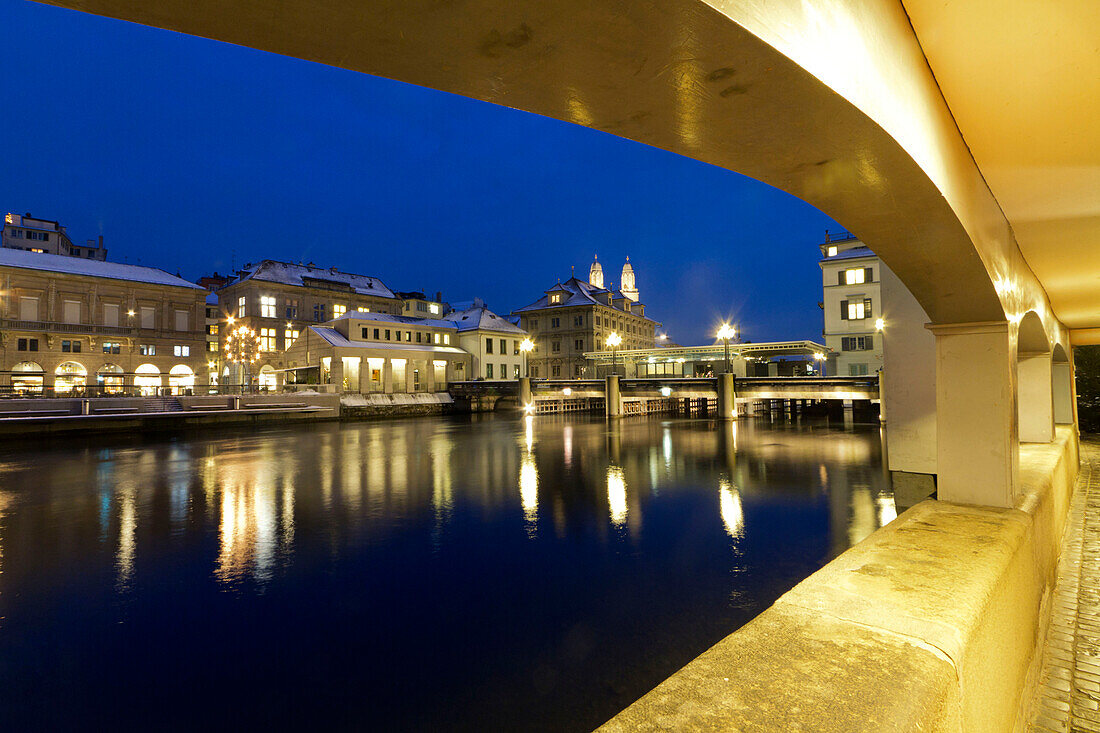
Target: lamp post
(820, 359)
(526, 346)
(613, 340)
(726, 332)
(242, 346)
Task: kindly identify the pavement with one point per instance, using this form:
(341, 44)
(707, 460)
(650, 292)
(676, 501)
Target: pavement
(1067, 699)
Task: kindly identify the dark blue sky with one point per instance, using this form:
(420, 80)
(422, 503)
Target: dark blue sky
(193, 155)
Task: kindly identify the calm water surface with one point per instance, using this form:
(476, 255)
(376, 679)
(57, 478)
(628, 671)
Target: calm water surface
(432, 574)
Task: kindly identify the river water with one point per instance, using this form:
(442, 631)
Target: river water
(485, 573)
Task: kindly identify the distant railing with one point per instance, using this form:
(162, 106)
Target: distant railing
(8, 391)
(840, 237)
(92, 328)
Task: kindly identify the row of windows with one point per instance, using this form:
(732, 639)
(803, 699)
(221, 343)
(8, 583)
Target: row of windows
(72, 311)
(555, 371)
(578, 321)
(109, 347)
(269, 308)
(503, 371)
(855, 276)
(386, 334)
(30, 234)
(503, 346)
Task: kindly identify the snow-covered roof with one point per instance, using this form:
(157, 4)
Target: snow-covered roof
(335, 338)
(90, 268)
(481, 318)
(400, 320)
(580, 293)
(289, 273)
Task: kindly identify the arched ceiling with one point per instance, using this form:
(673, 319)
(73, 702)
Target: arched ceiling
(1022, 79)
(830, 101)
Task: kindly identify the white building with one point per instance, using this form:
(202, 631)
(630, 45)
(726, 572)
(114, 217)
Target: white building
(852, 278)
(45, 236)
(491, 340)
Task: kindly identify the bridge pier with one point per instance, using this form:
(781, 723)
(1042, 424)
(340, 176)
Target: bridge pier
(726, 397)
(525, 396)
(613, 400)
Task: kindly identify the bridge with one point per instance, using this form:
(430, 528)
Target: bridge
(690, 395)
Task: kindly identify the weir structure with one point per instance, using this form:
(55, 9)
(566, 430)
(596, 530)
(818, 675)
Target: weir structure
(957, 141)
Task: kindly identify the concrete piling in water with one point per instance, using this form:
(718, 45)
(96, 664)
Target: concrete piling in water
(726, 397)
(525, 396)
(613, 401)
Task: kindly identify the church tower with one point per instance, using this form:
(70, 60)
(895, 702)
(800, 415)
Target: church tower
(595, 273)
(628, 288)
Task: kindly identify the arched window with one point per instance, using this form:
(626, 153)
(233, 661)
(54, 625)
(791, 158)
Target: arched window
(147, 379)
(267, 377)
(70, 376)
(26, 378)
(181, 379)
(110, 378)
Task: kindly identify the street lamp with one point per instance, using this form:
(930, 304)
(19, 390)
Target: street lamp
(613, 340)
(242, 346)
(820, 358)
(727, 332)
(880, 324)
(526, 346)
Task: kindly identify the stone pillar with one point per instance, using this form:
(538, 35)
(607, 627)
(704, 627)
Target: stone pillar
(977, 453)
(364, 376)
(613, 401)
(726, 397)
(429, 376)
(410, 366)
(525, 396)
(1034, 398)
(387, 376)
(449, 373)
(336, 374)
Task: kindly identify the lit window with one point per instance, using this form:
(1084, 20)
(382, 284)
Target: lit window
(241, 310)
(339, 310)
(854, 276)
(178, 350)
(831, 252)
(855, 310)
(212, 346)
(267, 306)
(434, 308)
(437, 338)
(147, 349)
(267, 339)
(446, 338)
(555, 298)
(290, 335)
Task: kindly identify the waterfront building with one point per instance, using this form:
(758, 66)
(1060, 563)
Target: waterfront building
(213, 339)
(278, 300)
(492, 341)
(44, 236)
(852, 277)
(574, 318)
(370, 352)
(72, 325)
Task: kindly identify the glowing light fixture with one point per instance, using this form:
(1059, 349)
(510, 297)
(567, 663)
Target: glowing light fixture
(880, 324)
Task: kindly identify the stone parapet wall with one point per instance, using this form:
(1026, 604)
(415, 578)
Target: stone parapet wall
(932, 623)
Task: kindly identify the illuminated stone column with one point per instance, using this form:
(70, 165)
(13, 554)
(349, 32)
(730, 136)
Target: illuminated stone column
(1062, 386)
(429, 376)
(977, 451)
(1035, 399)
(387, 376)
(613, 401)
(524, 391)
(726, 397)
(336, 374)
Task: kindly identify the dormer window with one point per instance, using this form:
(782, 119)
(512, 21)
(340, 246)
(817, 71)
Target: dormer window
(830, 252)
(555, 298)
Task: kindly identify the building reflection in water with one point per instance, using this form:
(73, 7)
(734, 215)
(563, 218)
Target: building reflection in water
(729, 504)
(616, 495)
(256, 525)
(127, 537)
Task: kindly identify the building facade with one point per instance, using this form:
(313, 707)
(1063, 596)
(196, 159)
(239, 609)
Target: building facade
(278, 300)
(79, 326)
(44, 236)
(376, 353)
(576, 317)
(417, 305)
(493, 343)
(852, 301)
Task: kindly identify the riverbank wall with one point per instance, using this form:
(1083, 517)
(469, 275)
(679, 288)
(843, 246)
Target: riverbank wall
(934, 623)
(382, 406)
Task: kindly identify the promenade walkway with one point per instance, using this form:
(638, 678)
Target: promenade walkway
(1068, 696)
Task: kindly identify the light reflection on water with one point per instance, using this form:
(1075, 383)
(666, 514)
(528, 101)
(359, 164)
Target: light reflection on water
(571, 553)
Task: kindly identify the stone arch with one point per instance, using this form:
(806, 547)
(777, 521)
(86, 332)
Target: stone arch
(1062, 385)
(1034, 395)
(181, 379)
(27, 377)
(111, 379)
(147, 379)
(70, 376)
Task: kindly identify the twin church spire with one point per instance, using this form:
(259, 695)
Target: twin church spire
(628, 286)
